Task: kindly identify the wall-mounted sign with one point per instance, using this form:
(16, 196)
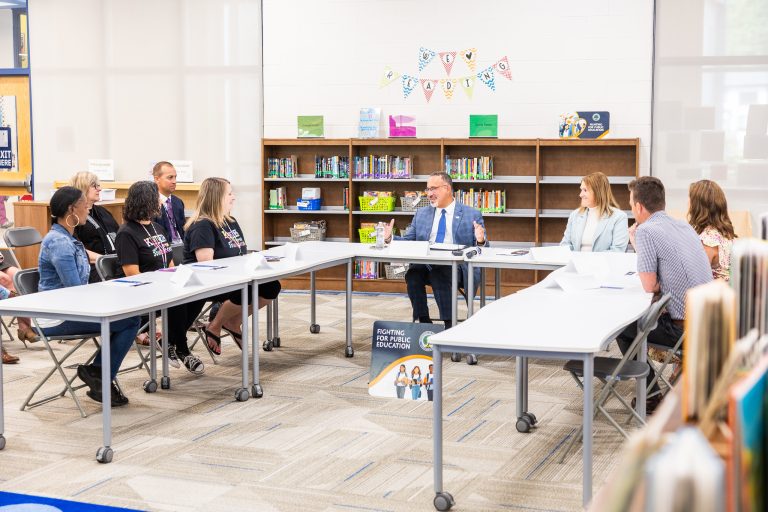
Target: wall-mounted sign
(6, 151)
(103, 168)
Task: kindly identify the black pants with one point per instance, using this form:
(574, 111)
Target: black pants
(666, 333)
(176, 316)
(438, 277)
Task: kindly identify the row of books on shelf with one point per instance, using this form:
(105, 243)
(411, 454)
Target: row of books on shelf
(325, 167)
(711, 433)
(478, 168)
(382, 167)
(487, 201)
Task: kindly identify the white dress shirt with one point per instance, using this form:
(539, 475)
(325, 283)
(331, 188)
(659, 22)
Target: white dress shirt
(589, 230)
(448, 223)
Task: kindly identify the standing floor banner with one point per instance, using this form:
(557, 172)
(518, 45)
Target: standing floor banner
(401, 360)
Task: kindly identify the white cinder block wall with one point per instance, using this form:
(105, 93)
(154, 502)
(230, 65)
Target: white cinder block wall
(327, 58)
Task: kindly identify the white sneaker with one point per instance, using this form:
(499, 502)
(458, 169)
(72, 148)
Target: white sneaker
(173, 359)
(194, 364)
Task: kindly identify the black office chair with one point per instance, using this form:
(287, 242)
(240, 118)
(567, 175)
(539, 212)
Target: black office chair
(178, 254)
(22, 237)
(26, 282)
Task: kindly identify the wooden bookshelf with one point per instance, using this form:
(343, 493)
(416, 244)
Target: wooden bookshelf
(540, 178)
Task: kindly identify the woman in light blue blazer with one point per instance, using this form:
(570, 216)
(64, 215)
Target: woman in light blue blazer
(598, 224)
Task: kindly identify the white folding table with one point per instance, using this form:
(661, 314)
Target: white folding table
(522, 325)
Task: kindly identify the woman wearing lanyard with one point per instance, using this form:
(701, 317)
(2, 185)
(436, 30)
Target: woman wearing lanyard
(63, 263)
(143, 246)
(212, 233)
(100, 228)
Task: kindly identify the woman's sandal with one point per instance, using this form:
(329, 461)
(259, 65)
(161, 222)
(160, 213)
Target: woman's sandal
(27, 335)
(236, 336)
(213, 341)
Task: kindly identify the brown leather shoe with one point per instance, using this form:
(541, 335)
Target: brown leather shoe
(8, 358)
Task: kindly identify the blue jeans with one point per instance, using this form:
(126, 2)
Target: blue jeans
(121, 337)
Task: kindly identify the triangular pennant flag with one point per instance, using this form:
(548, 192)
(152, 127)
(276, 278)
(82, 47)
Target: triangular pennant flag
(468, 84)
(502, 66)
(448, 85)
(425, 57)
(488, 77)
(448, 58)
(388, 77)
(470, 57)
(409, 83)
(428, 86)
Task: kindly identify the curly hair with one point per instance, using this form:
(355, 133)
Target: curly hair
(708, 207)
(142, 202)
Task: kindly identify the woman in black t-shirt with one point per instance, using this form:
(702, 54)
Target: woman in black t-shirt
(99, 231)
(143, 246)
(212, 233)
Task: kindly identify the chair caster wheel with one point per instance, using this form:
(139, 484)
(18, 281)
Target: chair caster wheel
(2, 442)
(241, 395)
(531, 418)
(349, 352)
(455, 357)
(471, 359)
(165, 383)
(267, 346)
(276, 342)
(523, 425)
(314, 328)
(257, 391)
(104, 454)
(150, 386)
(443, 501)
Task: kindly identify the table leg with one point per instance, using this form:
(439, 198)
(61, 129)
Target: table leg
(454, 291)
(587, 430)
(497, 284)
(443, 500)
(2, 406)
(349, 351)
(270, 317)
(519, 387)
(482, 287)
(471, 290)
(150, 385)
(256, 390)
(241, 395)
(276, 322)
(640, 384)
(313, 327)
(165, 381)
(105, 453)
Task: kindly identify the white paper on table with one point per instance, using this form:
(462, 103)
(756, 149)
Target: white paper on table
(184, 276)
(571, 282)
(256, 260)
(409, 248)
(557, 254)
(292, 251)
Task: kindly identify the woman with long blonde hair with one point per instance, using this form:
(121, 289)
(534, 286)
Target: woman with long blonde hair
(598, 224)
(708, 215)
(212, 233)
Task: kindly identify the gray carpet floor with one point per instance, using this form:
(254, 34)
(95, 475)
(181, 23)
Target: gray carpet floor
(315, 441)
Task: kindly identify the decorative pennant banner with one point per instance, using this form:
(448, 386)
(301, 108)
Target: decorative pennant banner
(409, 83)
(470, 57)
(425, 57)
(388, 77)
(502, 66)
(448, 58)
(487, 77)
(468, 84)
(429, 87)
(448, 86)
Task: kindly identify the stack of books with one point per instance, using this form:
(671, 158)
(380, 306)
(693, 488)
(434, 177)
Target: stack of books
(487, 201)
(282, 167)
(382, 167)
(478, 168)
(331, 167)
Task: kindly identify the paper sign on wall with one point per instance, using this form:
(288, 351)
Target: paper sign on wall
(6, 153)
(311, 126)
(183, 170)
(483, 125)
(8, 134)
(402, 126)
(103, 168)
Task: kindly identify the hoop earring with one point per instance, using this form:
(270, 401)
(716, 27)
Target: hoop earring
(66, 220)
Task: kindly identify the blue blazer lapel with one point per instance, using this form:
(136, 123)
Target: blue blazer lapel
(427, 227)
(458, 213)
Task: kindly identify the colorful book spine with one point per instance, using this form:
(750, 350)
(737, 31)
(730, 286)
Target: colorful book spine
(478, 168)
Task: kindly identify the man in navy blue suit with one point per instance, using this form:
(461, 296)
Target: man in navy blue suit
(443, 221)
(171, 207)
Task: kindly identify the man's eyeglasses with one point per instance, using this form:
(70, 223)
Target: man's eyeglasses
(429, 190)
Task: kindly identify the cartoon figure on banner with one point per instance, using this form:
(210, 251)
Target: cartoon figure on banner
(571, 125)
(429, 381)
(415, 383)
(401, 381)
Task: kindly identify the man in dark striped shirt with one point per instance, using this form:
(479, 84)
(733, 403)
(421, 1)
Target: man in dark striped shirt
(670, 259)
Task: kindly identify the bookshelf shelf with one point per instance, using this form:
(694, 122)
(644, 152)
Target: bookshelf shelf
(540, 179)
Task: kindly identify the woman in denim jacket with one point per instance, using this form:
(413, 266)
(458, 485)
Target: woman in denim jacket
(63, 262)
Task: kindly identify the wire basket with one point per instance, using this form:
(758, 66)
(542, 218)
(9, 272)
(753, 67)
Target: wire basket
(395, 271)
(307, 234)
(407, 204)
(367, 235)
(380, 204)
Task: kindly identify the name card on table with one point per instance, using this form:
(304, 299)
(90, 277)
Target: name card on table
(409, 248)
(256, 260)
(185, 276)
(293, 252)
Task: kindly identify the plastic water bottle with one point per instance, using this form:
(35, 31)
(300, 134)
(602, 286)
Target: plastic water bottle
(380, 235)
